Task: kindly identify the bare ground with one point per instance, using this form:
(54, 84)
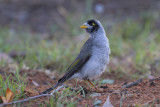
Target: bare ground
(145, 93)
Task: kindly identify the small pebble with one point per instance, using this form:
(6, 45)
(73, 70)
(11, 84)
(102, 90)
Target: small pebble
(107, 81)
(97, 102)
(95, 95)
(152, 83)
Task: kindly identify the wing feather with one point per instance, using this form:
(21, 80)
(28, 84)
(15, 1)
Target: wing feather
(78, 63)
(74, 68)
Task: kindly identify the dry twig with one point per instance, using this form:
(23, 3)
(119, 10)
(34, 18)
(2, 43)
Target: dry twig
(132, 84)
(30, 98)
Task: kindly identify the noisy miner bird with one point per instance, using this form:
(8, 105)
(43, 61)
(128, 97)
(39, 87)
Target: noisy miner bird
(93, 57)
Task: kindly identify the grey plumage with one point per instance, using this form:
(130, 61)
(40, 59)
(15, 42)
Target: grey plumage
(93, 57)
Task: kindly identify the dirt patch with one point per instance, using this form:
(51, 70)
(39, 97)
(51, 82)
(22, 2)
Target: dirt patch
(145, 93)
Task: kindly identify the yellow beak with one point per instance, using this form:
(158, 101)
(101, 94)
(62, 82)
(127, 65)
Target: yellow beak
(83, 26)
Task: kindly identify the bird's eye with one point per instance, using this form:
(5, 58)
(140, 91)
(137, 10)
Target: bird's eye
(93, 24)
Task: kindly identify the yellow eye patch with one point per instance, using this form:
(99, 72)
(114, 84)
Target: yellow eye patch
(93, 24)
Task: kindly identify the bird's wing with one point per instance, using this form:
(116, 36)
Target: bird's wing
(74, 67)
(78, 63)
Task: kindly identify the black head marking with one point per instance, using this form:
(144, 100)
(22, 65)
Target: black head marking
(91, 22)
(94, 24)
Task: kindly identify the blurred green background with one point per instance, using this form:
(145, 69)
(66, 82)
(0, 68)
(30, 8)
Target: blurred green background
(46, 34)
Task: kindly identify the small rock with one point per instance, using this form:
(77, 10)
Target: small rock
(95, 95)
(47, 72)
(97, 102)
(107, 81)
(152, 83)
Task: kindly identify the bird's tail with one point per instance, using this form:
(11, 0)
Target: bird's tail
(50, 89)
(60, 81)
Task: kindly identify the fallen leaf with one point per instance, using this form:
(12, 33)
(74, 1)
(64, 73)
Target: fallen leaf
(9, 95)
(8, 98)
(107, 103)
(35, 83)
(3, 98)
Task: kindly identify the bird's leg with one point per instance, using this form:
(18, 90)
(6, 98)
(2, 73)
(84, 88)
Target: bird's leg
(86, 83)
(93, 85)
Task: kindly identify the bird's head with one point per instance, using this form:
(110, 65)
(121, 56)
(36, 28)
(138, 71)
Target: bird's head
(91, 26)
